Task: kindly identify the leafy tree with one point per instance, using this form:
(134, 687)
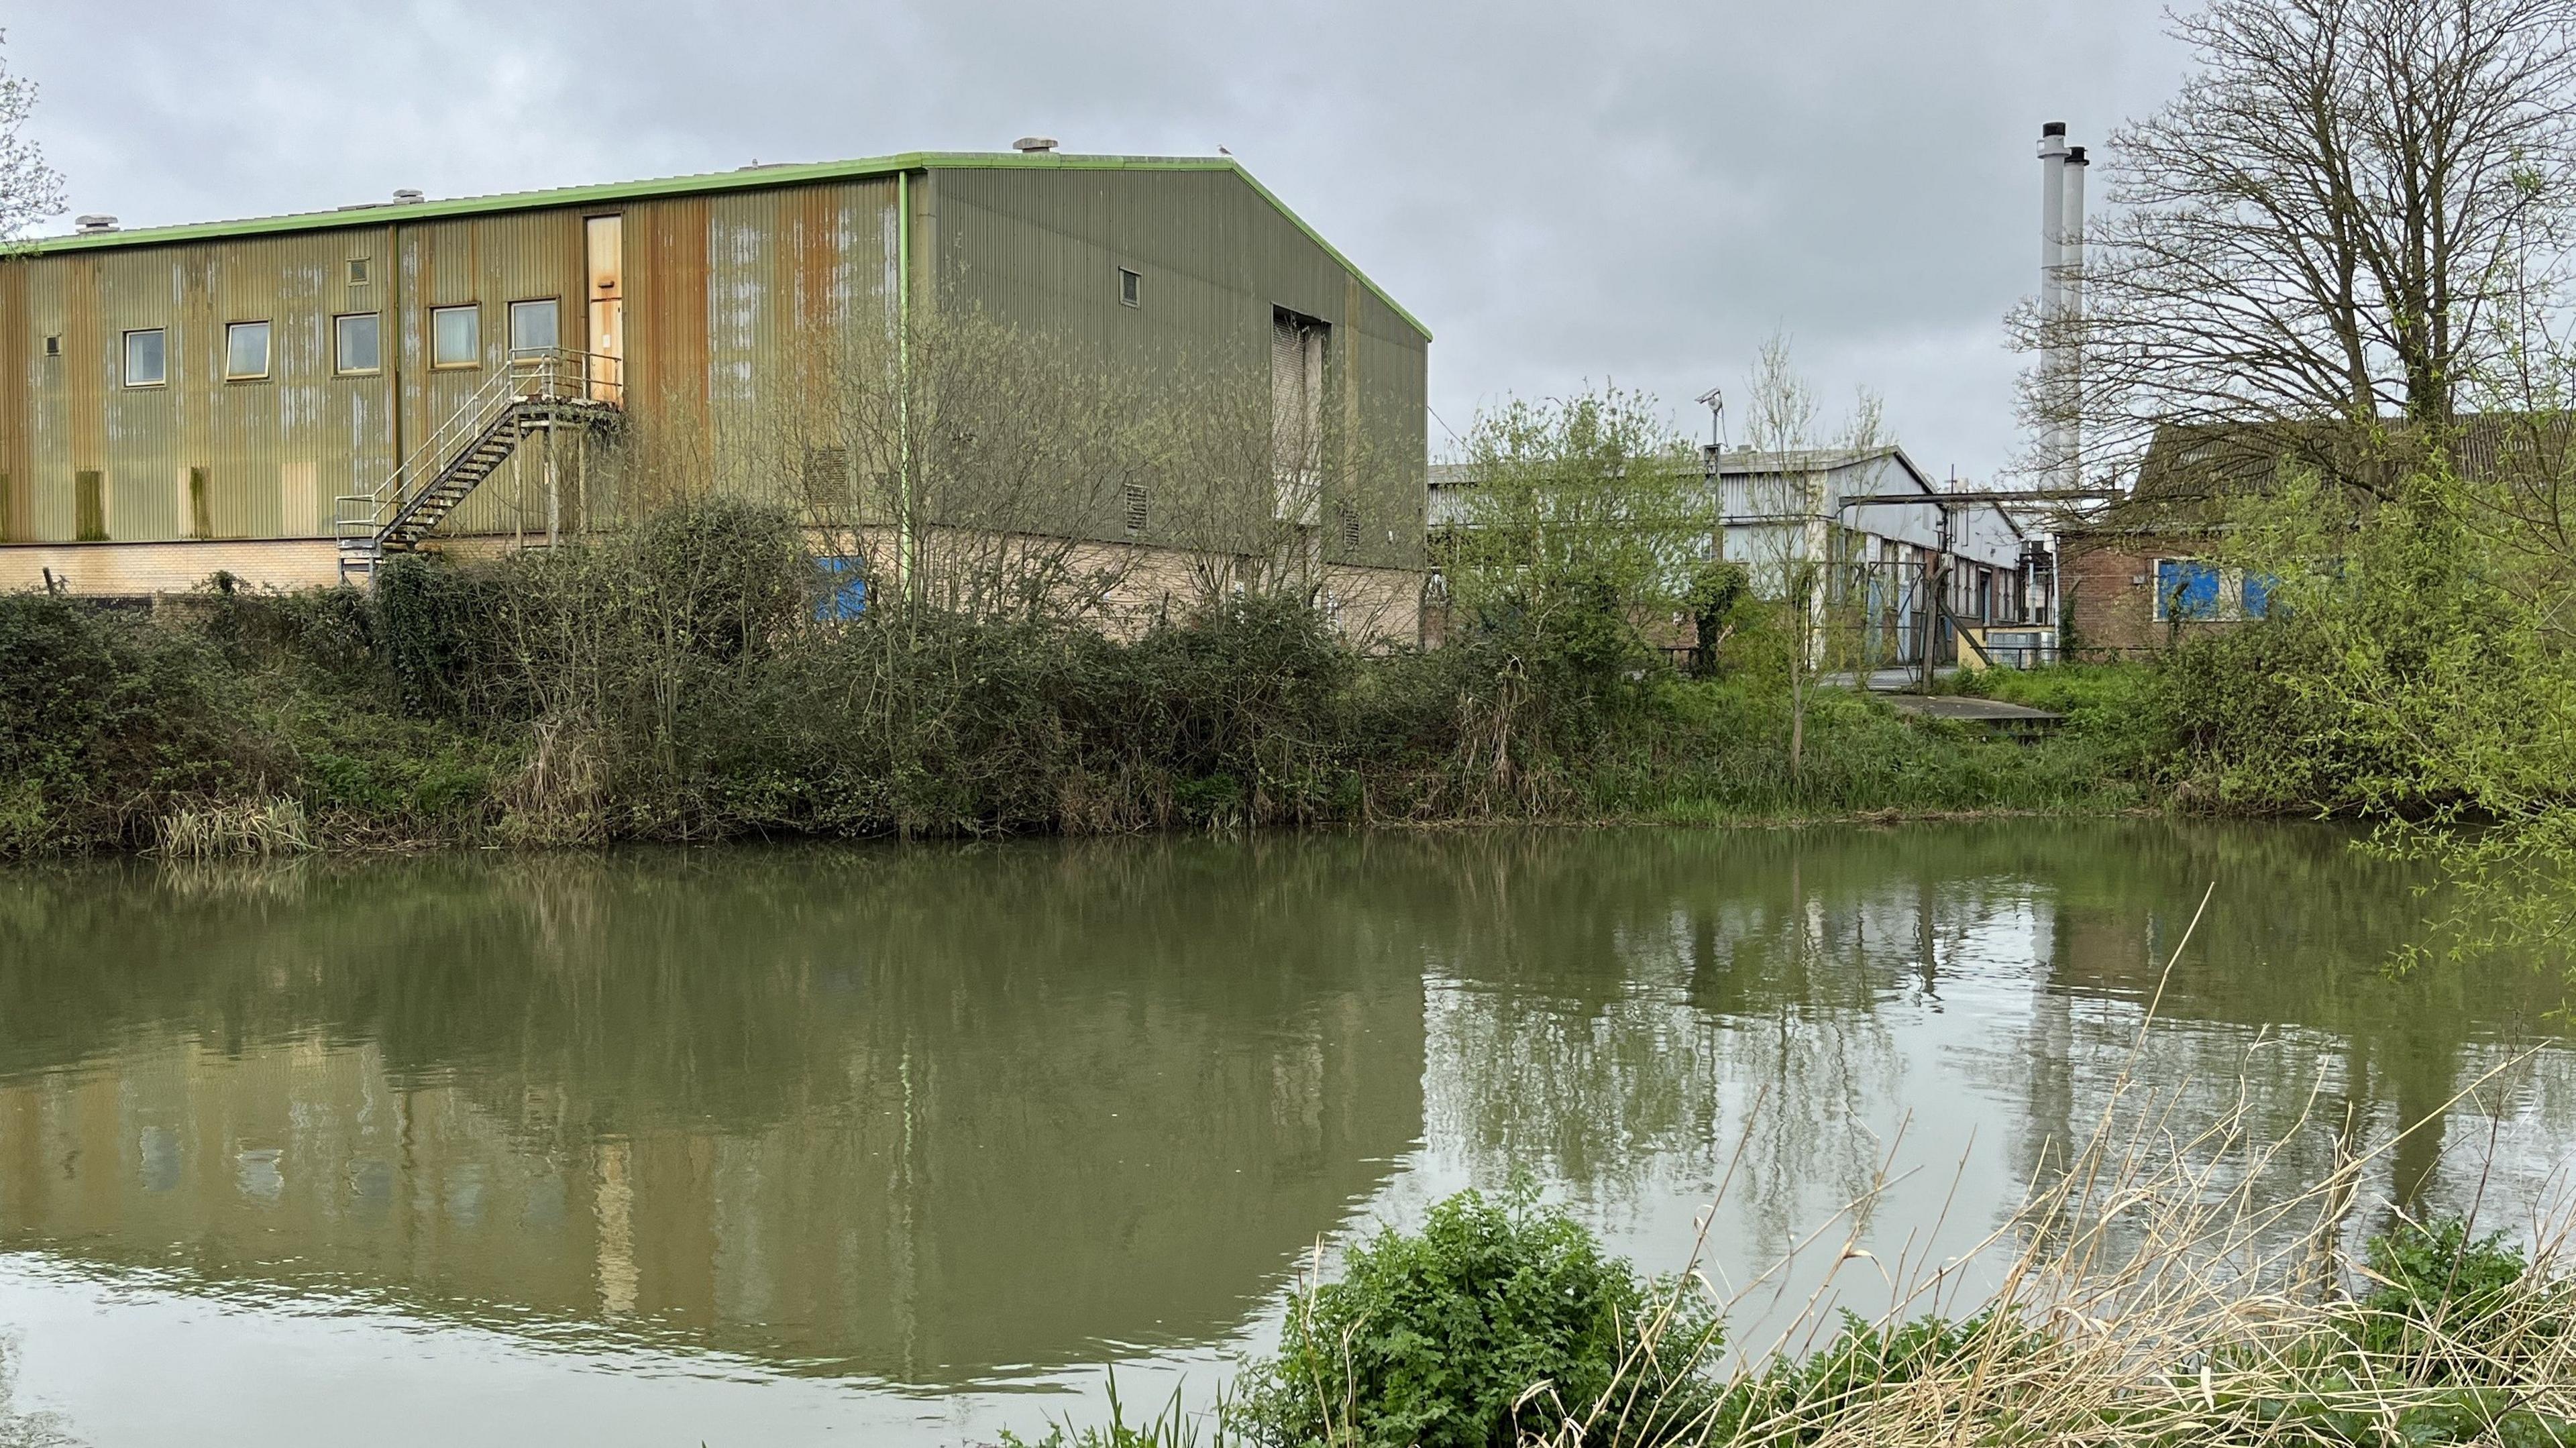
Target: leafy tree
(1583, 520)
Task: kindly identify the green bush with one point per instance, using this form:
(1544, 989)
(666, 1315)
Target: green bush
(1496, 1317)
(106, 721)
(2434, 1279)
(672, 681)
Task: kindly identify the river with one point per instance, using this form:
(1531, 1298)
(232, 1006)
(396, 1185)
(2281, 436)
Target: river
(796, 1144)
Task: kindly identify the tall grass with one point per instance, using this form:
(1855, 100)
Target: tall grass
(242, 827)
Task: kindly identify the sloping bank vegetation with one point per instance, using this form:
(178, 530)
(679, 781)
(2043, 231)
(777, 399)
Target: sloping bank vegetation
(677, 681)
(1501, 1324)
(686, 676)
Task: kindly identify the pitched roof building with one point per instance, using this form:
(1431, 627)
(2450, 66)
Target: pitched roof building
(241, 394)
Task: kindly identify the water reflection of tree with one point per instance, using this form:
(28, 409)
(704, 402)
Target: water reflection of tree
(2283, 1001)
(1616, 1027)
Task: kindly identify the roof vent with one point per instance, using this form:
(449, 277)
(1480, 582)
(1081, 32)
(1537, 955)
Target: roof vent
(408, 197)
(92, 225)
(1033, 145)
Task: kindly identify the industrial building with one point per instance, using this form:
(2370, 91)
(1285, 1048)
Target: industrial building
(1907, 564)
(287, 398)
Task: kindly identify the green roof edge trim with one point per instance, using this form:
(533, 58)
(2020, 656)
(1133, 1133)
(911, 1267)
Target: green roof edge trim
(750, 179)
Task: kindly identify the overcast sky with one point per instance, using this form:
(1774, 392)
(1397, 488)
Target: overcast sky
(1562, 191)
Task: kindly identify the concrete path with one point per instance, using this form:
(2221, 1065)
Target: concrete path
(1977, 711)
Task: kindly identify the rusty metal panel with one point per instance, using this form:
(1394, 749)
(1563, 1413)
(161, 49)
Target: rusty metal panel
(737, 309)
(738, 303)
(489, 262)
(666, 318)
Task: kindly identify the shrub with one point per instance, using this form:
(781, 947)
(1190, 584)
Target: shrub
(1496, 1316)
(2435, 1280)
(106, 723)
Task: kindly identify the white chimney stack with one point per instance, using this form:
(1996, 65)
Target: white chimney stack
(2061, 300)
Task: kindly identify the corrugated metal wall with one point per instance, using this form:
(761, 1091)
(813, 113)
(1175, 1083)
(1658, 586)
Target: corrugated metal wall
(737, 308)
(733, 303)
(197, 455)
(1042, 248)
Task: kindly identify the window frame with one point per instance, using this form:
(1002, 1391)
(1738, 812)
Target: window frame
(1131, 287)
(471, 309)
(125, 357)
(340, 353)
(513, 338)
(267, 350)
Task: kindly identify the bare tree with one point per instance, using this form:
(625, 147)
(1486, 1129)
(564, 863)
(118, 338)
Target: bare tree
(30, 190)
(1792, 533)
(2340, 220)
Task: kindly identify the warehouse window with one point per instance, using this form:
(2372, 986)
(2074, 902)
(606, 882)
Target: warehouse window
(147, 358)
(1134, 497)
(245, 351)
(455, 336)
(53, 344)
(357, 342)
(1131, 287)
(535, 326)
(357, 271)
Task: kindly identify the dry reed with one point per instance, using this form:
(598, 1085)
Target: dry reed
(2154, 1291)
(256, 827)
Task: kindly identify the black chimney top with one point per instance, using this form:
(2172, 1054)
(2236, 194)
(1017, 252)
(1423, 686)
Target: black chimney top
(2053, 128)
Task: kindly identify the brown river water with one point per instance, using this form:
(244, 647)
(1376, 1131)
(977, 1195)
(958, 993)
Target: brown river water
(787, 1145)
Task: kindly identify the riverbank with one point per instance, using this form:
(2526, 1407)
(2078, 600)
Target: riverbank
(1518, 1327)
(677, 684)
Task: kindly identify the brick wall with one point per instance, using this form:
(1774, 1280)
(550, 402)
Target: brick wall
(139, 570)
(2107, 588)
(1372, 606)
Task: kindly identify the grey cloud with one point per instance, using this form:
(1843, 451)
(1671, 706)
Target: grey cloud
(1632, 192)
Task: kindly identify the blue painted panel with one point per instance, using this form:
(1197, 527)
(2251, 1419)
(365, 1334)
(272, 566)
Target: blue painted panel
(2187, 587)
(848, 595)
(2258, 595)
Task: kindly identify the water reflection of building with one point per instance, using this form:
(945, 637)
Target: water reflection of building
(930, 1113)
(837, 1112)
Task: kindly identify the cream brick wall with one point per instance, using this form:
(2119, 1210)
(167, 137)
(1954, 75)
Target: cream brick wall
(1379, 607)
(136, 570)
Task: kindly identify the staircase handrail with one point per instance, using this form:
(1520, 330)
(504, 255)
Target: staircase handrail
(544, 374)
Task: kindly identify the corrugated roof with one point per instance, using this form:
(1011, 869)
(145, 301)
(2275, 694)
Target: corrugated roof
(2193, 472)
(746, 179)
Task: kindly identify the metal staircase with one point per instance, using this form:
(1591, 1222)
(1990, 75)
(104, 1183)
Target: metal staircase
(536, 392)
